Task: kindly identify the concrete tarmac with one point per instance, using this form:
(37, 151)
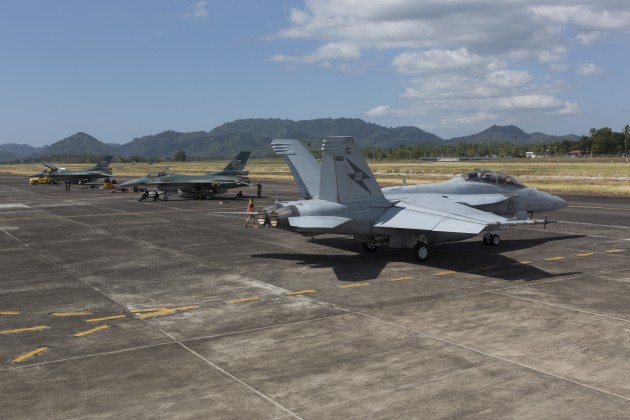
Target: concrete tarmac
(114, 308)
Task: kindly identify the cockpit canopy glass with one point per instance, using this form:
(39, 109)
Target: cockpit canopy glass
(155, 174)
(493, 177)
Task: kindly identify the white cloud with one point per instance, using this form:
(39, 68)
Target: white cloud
(589, 69)
(198, 10)
(470, 61)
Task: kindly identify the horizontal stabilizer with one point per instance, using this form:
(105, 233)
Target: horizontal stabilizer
(317, 222)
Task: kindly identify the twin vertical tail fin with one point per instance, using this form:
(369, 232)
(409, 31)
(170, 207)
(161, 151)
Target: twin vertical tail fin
(345, 175)
(303, 165)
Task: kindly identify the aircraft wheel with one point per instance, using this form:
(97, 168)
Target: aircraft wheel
(495, 240)
(486, 239)
(165, 197)
(421, 251)
(34, 182)
(370, 246)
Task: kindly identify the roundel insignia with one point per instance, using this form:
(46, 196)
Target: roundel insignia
(510, 205)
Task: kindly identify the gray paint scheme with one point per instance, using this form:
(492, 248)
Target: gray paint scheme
(197, 186)
(350, 202)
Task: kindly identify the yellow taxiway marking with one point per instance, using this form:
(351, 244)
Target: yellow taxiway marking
(242, 300)
(444, 273)
(71, 313)
(487, 267)
(93, 330)
(9, 313)
(149, 313)
(19, 330)
(554, 258)
(611, 251)
(302, 292)
(584, 254)
(30, 354)
(105, 318)
(522, 263)
(348, 286)
(401, 279)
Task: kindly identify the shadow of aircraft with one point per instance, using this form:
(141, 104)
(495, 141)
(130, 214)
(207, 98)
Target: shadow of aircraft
(466, 257)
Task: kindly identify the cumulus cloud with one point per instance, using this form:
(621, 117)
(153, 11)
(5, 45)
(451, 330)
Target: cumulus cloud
(465, 61)
(198, 10)
(589, 69)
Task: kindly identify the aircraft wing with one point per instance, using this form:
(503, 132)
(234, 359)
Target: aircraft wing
(475, 200)
(439, 214)
(317, 222)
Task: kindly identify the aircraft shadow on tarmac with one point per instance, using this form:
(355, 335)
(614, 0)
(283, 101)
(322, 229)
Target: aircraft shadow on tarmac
(465, 257)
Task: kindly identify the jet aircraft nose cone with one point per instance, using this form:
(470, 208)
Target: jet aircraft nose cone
(559, 203)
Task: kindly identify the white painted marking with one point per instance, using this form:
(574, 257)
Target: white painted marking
(13, 206)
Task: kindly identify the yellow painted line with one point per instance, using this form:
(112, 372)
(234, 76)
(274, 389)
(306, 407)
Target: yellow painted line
(139, 311)
(487, 267)
(444, 273)
(166, 311)
(105, 318)
(348, 286)
(584, 254)
(93, 330)
(554, 258)
(401, 279)
(19, 330)
(71, 313)
(610, 251)
(302, 292)
(30, 354)
(9, 313)
(242, 300)
(522, 263)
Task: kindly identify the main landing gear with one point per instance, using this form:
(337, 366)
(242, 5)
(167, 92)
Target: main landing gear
(491, 239)
(421, 251)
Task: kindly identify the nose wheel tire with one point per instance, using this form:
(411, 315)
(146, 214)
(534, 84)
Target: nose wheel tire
(421, 251)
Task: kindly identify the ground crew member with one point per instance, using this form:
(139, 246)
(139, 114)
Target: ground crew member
(250, 210)
(259, 187)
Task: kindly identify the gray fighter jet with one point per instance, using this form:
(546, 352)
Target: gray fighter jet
(487, 190)
(78, 176)
(197, 186)
(350, 202)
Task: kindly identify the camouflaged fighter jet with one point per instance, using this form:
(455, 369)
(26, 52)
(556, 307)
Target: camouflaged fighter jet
(350, 202)
(197, 186)
(78, 176)
(488, 190)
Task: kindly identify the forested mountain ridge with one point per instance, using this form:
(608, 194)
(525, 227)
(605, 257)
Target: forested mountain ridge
(255, 134)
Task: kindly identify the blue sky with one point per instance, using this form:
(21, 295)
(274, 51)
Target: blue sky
(120, 69)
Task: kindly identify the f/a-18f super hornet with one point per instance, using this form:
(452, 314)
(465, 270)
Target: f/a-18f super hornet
(350, 202)
(78, 176)
(197, 186)
(488, 190)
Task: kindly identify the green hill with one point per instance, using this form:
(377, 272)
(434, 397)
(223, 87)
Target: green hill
(255, 134)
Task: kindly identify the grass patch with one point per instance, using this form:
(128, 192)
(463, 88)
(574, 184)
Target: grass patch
(588, 176)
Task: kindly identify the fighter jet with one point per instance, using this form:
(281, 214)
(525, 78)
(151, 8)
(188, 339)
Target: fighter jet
(350, 202)
(197, 186)
(488, 190)
(78, 176)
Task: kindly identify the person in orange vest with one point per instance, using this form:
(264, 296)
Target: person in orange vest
(250, 210)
